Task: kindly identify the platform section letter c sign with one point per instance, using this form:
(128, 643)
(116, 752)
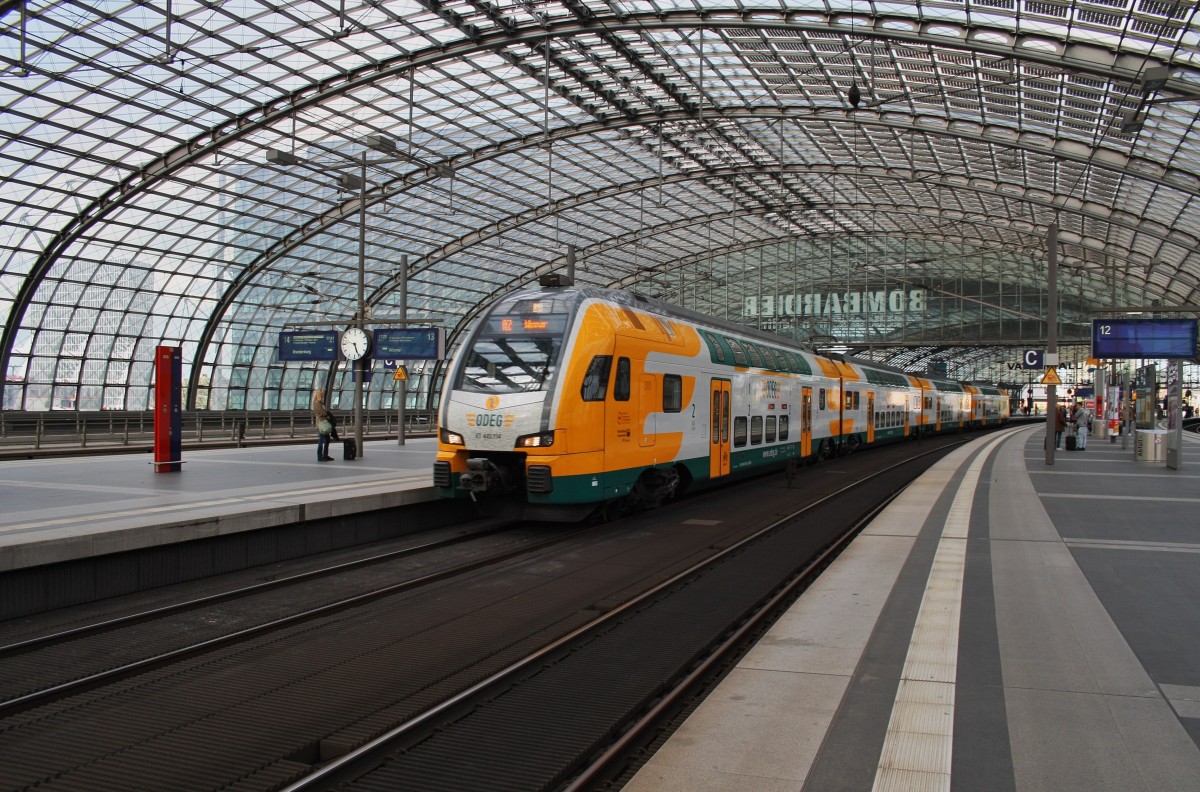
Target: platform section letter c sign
(1032, 359)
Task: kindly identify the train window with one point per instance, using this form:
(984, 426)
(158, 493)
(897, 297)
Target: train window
(716, 417)
(725, 416)
(756, 426)
(739, 431)
(718, 350)
(856, 401)
(595, 381)
(771, 422)
(848, 401)
(755, 357)
(928, 403)
(672, 393)
(783, 427)
(621, 386)
(739, 353)
(821, 400)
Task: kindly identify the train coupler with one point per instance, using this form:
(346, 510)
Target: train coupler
(485, 477)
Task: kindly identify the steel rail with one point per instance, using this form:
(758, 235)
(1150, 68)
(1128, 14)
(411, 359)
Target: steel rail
(41, 697)
(41, 641)
(366, 756)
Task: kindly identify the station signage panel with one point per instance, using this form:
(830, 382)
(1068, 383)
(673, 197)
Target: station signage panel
(527, 324)
(410, 343)
(308, 345)
(1144, 338)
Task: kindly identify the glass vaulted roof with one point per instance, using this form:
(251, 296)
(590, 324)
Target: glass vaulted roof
(722, 155)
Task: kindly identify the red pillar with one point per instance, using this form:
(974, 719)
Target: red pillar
(168, 412)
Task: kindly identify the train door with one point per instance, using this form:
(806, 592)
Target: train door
(937, 413)
(718, 459)
(870, 416)
(907, 417)
(806, 422)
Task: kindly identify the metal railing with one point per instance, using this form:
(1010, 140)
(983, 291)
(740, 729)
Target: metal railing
(115, 430)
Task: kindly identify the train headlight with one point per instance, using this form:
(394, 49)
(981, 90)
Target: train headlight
(450, 438)
(539, 440)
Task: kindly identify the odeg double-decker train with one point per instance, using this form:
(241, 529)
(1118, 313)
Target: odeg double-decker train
(569, 399)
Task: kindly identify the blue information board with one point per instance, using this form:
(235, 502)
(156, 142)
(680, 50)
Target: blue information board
(308, 345)
(410, 343)
(1144, 338)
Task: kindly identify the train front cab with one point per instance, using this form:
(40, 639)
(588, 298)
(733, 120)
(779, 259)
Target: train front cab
(605, 426)
(497, 439)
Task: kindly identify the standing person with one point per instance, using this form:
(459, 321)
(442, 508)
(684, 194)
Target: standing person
(1083, 422)
(1060, 426)
(324, 419)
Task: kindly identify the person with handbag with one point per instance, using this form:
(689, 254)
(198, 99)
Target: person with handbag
(324, 420)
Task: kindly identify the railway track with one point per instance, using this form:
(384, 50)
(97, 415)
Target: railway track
(263, 708)
(571, 715)
(61, 663)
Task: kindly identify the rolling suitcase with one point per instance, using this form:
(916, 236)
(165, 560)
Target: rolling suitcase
(1071, 442)
(349, 449)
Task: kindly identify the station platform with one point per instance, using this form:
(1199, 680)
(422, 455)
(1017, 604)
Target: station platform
(1004, 625)
(72, 508)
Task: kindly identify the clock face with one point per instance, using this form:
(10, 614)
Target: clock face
(355, 343)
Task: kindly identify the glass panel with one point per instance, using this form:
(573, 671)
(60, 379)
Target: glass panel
(672, 393)
(621, 386)
(595, 381)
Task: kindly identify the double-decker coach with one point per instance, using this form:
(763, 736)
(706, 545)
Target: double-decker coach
(563, 399)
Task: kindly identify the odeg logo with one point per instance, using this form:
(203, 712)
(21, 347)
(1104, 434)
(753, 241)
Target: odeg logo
(492, 402)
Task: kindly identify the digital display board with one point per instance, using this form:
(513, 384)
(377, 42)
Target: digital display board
(536, 324)
(308, 345)
(1144, 338)
(410, 343)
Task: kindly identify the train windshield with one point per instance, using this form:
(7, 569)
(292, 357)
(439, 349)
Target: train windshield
(517, 348)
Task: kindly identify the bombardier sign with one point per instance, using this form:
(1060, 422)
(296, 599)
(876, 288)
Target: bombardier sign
(835, 303)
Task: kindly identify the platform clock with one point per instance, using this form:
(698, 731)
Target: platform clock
(355, 343)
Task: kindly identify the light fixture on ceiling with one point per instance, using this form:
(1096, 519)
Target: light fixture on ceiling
(855, 95)
(1132, 121)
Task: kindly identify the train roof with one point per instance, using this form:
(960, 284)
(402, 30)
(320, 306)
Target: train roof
(632, 299)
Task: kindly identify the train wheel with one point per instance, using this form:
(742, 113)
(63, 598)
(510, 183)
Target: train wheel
(613, 510)
(854, 443)
(825, 450)
(655, 487)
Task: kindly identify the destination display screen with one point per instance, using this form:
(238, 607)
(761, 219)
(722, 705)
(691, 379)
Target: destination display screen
(527, 324)
(308, 345)
(410, 343)
(1144, 338)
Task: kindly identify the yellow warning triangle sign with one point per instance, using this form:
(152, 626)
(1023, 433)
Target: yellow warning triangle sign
(1051, 377)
